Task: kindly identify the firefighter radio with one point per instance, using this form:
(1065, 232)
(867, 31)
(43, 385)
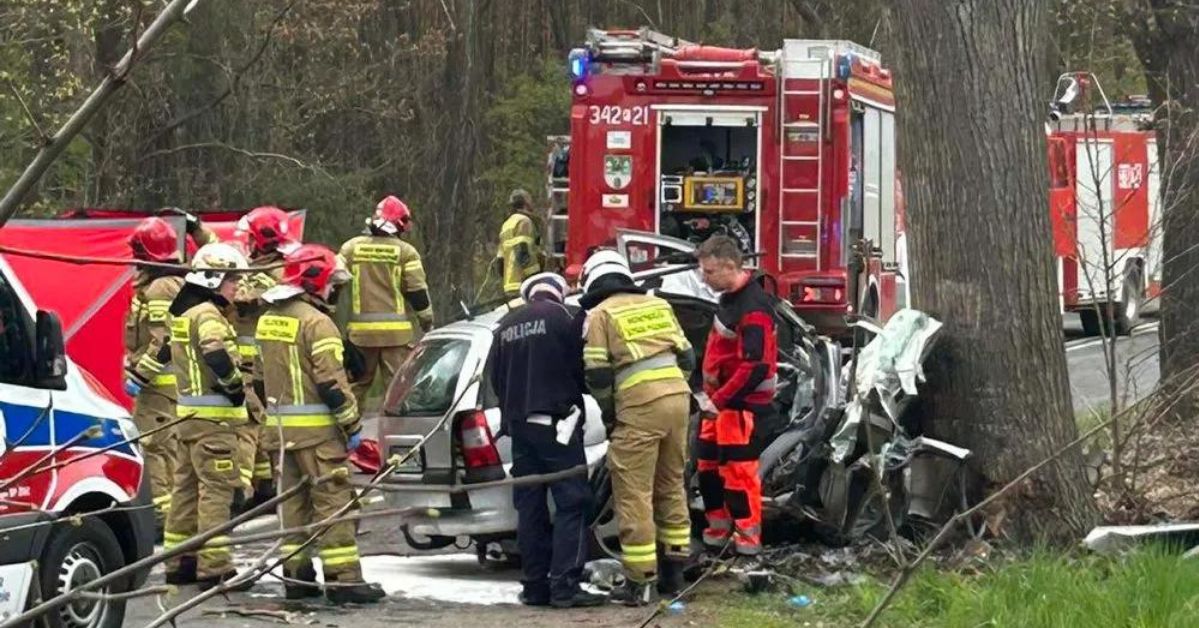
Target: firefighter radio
(707, 194)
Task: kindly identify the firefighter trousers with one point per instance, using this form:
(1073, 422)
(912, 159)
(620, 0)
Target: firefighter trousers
(205, 478)
(728, 481)
(552, 554)
(337, 547)
(154, 407)
(646, 456)
(253, 462)
(375, 359)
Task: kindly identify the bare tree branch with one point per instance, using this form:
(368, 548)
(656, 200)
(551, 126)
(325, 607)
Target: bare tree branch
(57, 144)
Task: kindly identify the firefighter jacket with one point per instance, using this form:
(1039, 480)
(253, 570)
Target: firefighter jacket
(250, 305)
(518, 254)
(147, 337)
(300, 366)
(204, 354)
(741, 355)
(635, 351)
(386, 272)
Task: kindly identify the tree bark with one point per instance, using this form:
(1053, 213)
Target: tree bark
(971, 76)
(1165, 34)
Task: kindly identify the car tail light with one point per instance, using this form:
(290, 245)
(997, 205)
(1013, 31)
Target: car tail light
(479, 454)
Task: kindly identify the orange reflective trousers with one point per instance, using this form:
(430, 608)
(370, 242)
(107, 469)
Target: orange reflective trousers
(728, 481)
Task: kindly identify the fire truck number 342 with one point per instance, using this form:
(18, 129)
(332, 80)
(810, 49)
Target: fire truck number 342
(613, 115)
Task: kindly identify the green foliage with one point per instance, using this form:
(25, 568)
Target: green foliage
(1153, 587)
(531, 107)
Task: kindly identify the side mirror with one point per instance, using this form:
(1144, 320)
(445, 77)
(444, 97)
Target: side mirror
(50, 355)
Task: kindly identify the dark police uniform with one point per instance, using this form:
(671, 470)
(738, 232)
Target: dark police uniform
(536, 365)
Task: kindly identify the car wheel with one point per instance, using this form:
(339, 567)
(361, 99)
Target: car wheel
(425, 543)
(76, 555)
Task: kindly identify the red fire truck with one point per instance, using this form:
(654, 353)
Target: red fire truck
(1105, 200)
(791, 152)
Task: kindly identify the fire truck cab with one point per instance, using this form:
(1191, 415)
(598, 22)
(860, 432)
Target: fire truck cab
(790, 152)
(1105, 203)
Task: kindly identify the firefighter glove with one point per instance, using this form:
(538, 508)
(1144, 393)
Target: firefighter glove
(132, 387)
(354, 441)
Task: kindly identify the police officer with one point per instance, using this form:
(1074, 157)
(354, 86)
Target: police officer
(211, 399)
(537, 372)
(266, 230)
(637, 359)
(386, 272)
(519, 254)
(312, 415)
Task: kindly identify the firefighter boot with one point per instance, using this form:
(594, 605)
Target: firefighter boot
(633, 593)
(670, 575)
(209, 582)
(355, 593)
(301, 583)
(185, 573)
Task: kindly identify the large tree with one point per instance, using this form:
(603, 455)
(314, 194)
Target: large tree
(972, 79)
(1166, 36)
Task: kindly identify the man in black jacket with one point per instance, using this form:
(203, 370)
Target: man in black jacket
(536, 366)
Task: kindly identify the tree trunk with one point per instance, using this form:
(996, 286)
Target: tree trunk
(1166, 36)
(971, 76)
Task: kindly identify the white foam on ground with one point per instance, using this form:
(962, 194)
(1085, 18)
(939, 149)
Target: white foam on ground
(456, 578)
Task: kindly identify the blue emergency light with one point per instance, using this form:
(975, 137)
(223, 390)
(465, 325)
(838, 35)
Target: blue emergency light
(578, 61)
(844, 65)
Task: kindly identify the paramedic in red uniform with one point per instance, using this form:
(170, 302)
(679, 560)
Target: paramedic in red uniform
(740, 363)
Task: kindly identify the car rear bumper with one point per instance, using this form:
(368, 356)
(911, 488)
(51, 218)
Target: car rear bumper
(474, 513)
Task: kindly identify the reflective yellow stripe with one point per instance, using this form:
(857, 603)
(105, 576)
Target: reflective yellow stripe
(300, 420)
(247, 351)
(167, 379)
(213, 412)
(332, 557)
(596, 355)
(513, 241)
(150, 364)
(277, 328)
(171, 539)
(246, 473)
(413, 266)
(383, 325)
(356, 289)
(666, 372)
(675, 536)
(640, 553)
(329, 344)
(213, 329)
(262, 471)
(297, 375)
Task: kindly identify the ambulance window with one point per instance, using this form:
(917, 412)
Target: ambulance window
(17, 365)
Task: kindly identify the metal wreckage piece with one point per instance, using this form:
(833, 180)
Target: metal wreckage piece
(848, 460)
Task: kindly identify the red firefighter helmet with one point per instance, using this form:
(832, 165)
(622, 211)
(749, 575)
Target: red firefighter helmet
(267, 228)
(314, 268)
(392, 216)
(155, 240)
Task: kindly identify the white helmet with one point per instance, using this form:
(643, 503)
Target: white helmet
(210, 261)
(602, 263)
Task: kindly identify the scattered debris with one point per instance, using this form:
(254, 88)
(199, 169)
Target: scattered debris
(800, 601)
(1114, 539)
(604, 574)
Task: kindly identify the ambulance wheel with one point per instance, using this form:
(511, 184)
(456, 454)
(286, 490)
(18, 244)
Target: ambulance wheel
(1128, 314)
(76, 555)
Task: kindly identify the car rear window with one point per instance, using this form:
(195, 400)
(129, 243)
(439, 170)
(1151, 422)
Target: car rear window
(426, 383)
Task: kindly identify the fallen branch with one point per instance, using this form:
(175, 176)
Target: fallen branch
(252, 574)
(104, 450)
(190, 545)
(285, 616)
(164, 589)
(88, 434)
(171, 13)
(462, 488)
(119, 261)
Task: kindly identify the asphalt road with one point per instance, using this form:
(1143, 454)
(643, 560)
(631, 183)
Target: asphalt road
(1136, 365)
(452, 589)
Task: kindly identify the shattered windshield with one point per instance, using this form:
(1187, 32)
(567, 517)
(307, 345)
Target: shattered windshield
(426, 383)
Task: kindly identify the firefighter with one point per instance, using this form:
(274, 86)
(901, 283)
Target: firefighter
(386, 272)
(314, 418)
(266, 230)
(637, 359)
(536, 366)
(519, 255)
(147, 347)
(740, 363)
(211, 400)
